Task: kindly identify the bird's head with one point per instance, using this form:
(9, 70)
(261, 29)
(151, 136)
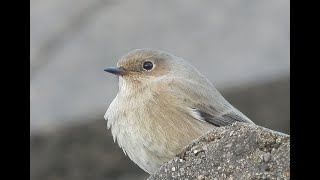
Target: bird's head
(142, 66)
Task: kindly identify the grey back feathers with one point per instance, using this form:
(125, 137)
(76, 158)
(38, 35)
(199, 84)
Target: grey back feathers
(206, 103)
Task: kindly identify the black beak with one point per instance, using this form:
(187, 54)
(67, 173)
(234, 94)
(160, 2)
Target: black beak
(115, 70)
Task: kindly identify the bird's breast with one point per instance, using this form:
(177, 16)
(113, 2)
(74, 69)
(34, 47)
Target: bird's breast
(151, 127)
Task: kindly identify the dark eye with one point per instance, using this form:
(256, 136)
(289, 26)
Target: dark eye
(147, 65)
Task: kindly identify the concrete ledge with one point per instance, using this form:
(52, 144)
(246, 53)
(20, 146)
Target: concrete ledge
(239, 151)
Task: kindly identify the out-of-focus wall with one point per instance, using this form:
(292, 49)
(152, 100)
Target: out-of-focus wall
(233, 43)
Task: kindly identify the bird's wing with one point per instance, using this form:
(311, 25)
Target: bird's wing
(205, 103)
(223, 118)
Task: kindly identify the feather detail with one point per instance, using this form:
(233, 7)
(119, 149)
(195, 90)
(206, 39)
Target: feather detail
(205, 104)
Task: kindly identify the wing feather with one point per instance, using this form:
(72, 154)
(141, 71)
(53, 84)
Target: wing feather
(205, 103)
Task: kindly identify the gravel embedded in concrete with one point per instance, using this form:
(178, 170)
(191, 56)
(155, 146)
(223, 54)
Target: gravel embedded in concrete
(240, 151)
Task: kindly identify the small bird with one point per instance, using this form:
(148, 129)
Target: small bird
(163, 104)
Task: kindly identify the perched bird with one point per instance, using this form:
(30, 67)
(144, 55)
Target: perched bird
(163, 104)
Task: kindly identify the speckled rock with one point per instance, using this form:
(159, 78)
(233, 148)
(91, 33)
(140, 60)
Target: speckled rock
(239, 151)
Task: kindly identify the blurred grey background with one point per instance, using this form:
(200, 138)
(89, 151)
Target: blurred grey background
(242, 46)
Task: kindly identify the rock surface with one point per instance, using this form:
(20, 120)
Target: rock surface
(240, 151)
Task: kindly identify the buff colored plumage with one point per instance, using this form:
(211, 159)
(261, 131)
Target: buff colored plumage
(162, 105)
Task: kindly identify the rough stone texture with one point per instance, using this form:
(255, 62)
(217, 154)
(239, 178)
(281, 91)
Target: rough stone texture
(240, 151)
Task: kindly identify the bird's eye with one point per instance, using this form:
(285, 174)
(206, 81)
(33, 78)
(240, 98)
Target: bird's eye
(147, 65)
